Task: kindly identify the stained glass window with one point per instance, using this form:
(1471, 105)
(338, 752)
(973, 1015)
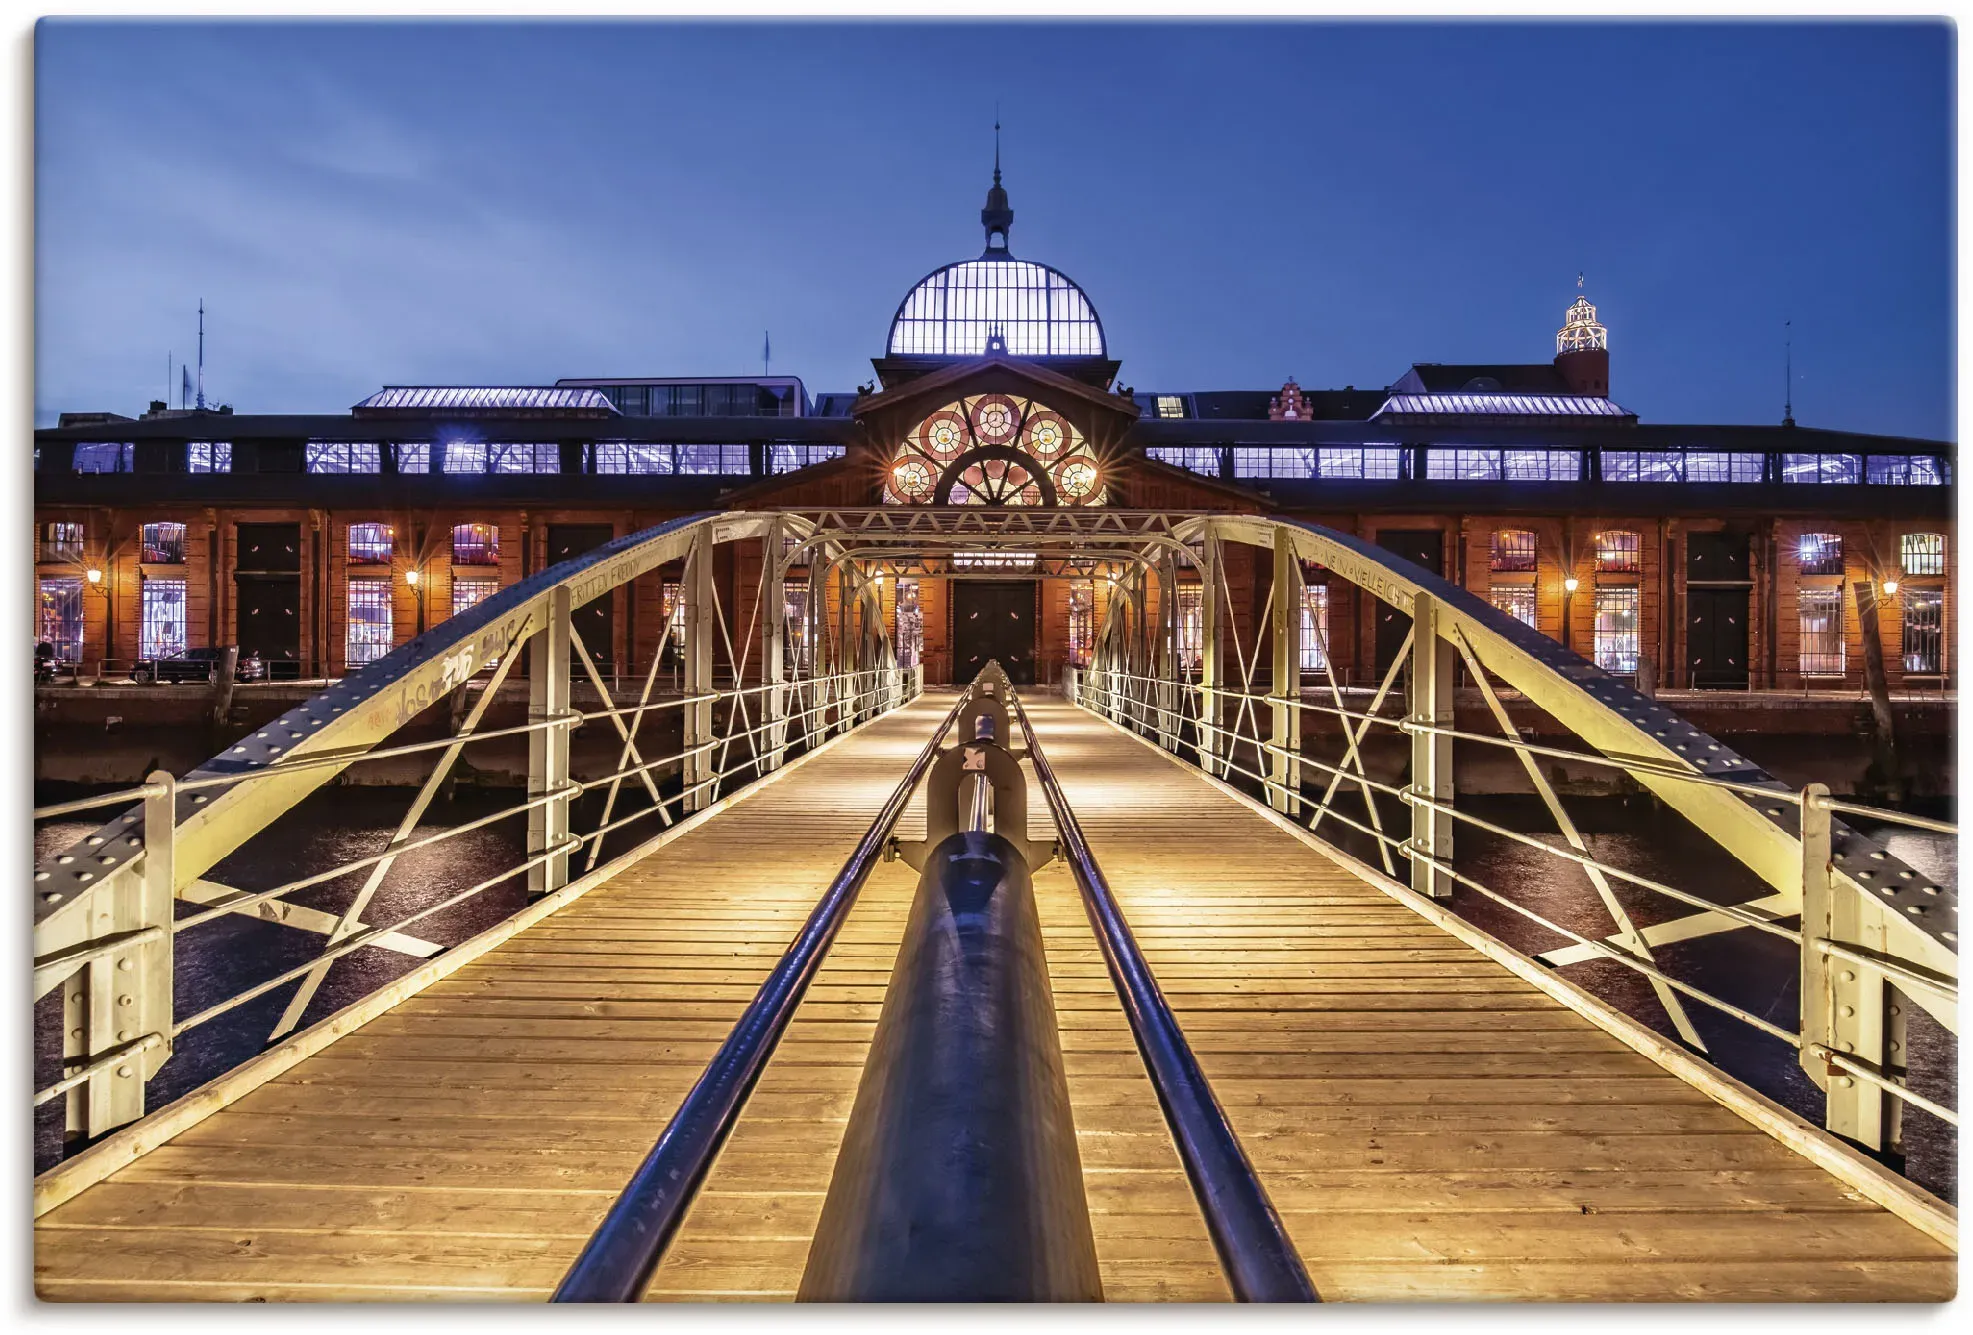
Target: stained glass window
(994, 449)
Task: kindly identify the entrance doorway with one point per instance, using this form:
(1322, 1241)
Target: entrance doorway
(267, 585)
(1717, 587)
(1425, 547)
(993, 619)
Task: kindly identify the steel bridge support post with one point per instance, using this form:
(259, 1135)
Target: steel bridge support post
(1284, 765)
(1432, 660)
(1846, 1006)
(773, 744)
(1209, 609)
(700, 632)
(1167, 656)
(549, 668)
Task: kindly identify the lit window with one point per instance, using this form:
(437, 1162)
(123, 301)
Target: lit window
(672, 603)
(96, 457)
(475, 545)
(1290, 462)
(1517, 600)
(369, 634)
(1822, 649)
(909, 619)
(1820, 553)
(370, 542)
(465, 456)
(469, 593)
(1908, 470)
(1835, 468)
(58, 616)
(209, 456)
(1617, 552)
(1511, 549)
(1708, 466)
(1681, 466)
(621, 456)
(61, 542)
(164, 544)
(1485, 465)
(1034, 311)
(161, 633)
(346, 456)
(1082, 621)
(1315, 627)
(1923, 553)
(413, 458)
(1191, 626)
(1192, 458)
(1351, 461)
(714, 460)
(1170, 405)
(540, 457)
(1924, 631)
(794, 612)
(1616, 629)
(787, 458)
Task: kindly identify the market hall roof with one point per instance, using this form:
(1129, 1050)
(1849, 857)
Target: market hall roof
(470, 399)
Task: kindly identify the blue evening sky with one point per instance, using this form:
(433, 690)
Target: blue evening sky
(363, 203)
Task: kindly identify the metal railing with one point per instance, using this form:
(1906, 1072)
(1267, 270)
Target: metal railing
(1255, 1251)
(625, 1249)
(107, 920)
(1877, 937)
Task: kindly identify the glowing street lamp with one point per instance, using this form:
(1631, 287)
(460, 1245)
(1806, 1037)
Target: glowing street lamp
(95, 575)
(1571, 584)
(1891, 587)
(411, 578)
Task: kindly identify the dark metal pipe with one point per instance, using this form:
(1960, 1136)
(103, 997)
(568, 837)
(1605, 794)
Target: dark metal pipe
(623, 1253)
(959, 1178)
(1254, 1248)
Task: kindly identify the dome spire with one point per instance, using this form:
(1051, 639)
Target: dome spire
(996, 217)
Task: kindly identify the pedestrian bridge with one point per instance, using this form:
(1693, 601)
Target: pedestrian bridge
(1290, 1072)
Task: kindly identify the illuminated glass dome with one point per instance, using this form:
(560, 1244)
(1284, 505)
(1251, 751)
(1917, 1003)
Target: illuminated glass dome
(996, 303)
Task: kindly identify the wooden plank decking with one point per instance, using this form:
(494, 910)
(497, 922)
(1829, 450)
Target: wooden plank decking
(1430, 1125)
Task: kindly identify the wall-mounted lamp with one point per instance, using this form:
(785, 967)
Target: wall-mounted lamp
(1571, 584)
(95, 575)
(1890, 586)
(411, 578)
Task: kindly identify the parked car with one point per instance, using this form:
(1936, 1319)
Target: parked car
(46, 664)
(197, 665)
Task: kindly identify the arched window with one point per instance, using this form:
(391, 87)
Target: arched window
(1511, 549)
(1820, 553)
(1617, 552)
(994, 449)
(369, 542)
(475, 545)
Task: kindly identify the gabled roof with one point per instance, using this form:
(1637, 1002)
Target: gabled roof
(486, 398)
(1509, 378)
(947, 378)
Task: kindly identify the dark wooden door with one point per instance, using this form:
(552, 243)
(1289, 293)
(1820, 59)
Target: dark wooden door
(1426, 547)
(594, 621)
(1716, 637)
(269, 621)
(993, 619)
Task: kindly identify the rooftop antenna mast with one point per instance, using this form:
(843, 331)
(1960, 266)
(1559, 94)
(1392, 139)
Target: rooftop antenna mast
(766, 353)
(1788, 390)
(201, 401)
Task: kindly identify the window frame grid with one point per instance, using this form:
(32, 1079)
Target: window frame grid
(1929, 651)
(1614, 647)
(1815, 655)
(472, 551)
(1619, 551)
(162, 543)
(1506, 558)
(367, 636)
(1819, 553)
(1927, 549)
(162, 619)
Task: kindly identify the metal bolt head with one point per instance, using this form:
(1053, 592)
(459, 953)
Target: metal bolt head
(1848, 975)
(124, 965)
(1849, 1011)
(126, 1000)
(123, 1071)
(1843, 1082)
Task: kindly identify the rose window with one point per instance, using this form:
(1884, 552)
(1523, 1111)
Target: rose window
(994, 449)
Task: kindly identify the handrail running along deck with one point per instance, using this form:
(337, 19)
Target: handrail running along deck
(1238, 711)
(106, 919)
